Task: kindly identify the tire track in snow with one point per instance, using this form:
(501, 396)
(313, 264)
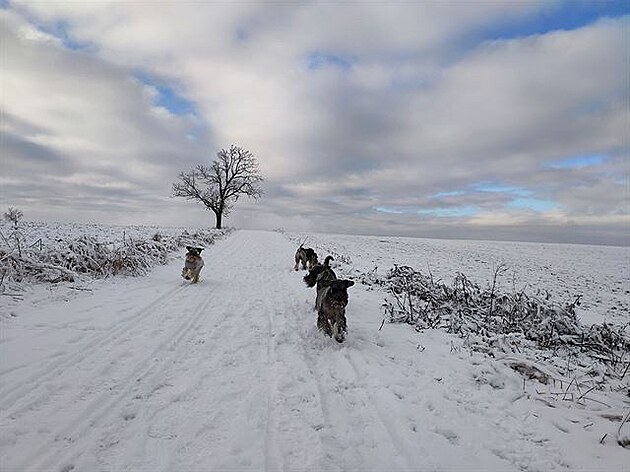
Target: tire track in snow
(290, 426)
(155, 430)
(273, 459)
(224, 412)
(400, 444)
(40, 392)
(45, 457)
(287, 392)
(10, 396)
(341, 419)
(331, 449)
(58, 366)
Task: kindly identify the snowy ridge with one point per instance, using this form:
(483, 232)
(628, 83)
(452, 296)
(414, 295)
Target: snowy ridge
(154, 373)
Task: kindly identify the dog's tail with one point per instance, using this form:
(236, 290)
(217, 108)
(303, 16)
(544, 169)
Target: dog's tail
(327, 260)
(302, 244)
(310, 279)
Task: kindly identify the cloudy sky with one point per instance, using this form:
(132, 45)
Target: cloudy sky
(466, 119)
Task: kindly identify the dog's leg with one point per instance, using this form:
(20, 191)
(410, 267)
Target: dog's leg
(195, 276)
(323, 324)
(298, 258)
(338, 332)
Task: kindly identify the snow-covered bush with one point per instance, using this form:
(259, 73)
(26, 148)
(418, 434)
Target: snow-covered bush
(492, 320)
(60, 259)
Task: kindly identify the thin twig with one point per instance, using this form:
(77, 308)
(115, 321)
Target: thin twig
(568, 387)
(622, 423)
(584, 394)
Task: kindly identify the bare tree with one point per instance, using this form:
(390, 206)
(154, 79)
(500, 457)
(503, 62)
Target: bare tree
(234, 173)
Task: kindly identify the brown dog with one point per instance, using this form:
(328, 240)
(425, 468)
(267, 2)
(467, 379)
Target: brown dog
(193, 264)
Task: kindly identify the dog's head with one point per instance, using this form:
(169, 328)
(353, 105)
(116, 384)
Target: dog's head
(311, 256)
(194, 253)
(337, 295)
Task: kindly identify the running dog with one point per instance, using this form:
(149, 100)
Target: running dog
(331, 301)
(305, 256)
(320, 273)
(193, 264)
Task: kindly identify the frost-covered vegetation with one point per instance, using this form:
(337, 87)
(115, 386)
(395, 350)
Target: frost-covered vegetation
(495, 321)
(467, 309)
(525, 314)
(40, 252)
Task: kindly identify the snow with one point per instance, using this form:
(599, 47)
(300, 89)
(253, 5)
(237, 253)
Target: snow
(155, 373)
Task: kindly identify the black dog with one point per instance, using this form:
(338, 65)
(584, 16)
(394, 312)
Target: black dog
(331, 301)
(319, 273)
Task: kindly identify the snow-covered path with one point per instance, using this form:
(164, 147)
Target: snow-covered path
(156, 374)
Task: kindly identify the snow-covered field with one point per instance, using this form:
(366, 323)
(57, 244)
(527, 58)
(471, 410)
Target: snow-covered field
(155, 374)
(49, 233)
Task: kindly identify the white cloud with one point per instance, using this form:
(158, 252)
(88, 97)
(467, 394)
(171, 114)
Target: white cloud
(67, 114)
(419, 109)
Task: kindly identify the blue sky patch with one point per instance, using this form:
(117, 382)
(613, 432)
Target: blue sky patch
(454, 193)
(453, 212)
(391, 211)
(521, 199)
(59, 29)
(320, 60)
(534, 204)
(456, 212)
(577, 162)
(167, 97)
(567, 15)
(496, 187)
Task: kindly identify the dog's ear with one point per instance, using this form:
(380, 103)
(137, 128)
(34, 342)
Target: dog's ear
(348, 283)
(189, 248)
(200, 249)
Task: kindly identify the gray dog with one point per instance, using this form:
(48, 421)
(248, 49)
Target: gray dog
(331, 301)
(305, 256)
(193, 264)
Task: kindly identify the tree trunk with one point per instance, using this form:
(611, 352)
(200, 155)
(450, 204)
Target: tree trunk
(219, 217)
